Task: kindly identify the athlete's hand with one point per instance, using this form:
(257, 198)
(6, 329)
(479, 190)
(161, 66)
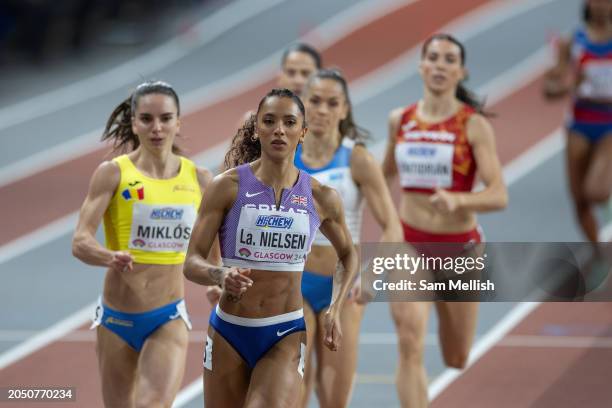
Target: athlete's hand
(213, 294)
(236, 281)
(122, 261)
(444, 201)
(333, 332)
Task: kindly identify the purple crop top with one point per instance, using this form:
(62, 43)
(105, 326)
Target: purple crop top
(256, 235)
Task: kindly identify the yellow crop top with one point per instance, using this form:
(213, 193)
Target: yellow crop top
(152, 218)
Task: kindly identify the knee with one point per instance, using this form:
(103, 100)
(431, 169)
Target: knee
(596, 193)
(582, 207)
(410, 342)
(456, 359)
(152, 399)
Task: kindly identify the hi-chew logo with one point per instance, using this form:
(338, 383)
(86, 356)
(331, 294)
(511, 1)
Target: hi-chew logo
(166, 213)
(274, 221)
(135, 191)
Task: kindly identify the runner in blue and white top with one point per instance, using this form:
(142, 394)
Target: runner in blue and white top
(584, 70)
(266, 212)
(333, 153)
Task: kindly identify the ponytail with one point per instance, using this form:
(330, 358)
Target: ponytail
(471, 99)
(245, 146)
(119, 128)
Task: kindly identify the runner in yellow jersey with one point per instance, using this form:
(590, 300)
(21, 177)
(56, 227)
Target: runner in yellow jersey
(148, 199)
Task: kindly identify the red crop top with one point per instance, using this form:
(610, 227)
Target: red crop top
(438, 155)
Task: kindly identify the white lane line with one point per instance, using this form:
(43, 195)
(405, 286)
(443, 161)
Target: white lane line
(19, 350)
(396, 71)
(207, 30)
(488, 16)
(47, 336)
(330, 31)
(38, 237)
(483, 345)
(334, 30)
(64, 225)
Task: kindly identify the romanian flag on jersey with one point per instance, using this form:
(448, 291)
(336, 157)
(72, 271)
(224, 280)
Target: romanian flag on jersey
(135, 191)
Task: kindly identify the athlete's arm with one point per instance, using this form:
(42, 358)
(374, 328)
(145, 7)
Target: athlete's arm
(85, 246)
(389, 167)
(333, 226)
(220, 194)
(371, 182)
(558, 79)
(204, 178)
(495, 195)
(213, 293)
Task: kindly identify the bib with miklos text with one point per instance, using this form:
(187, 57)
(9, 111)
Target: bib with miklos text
(270, 236)
(152, 218)
(161, 228)
(425, 165)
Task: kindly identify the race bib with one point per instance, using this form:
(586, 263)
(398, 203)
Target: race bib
(597, 82)
(272, 236)
(161, 228)
(425, 165)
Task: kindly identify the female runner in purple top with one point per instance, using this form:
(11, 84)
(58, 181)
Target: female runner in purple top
(266, 213)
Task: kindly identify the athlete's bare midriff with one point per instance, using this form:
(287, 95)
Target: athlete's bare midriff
(273, 293)
(416, 211)
(323, 260)
(144, 288)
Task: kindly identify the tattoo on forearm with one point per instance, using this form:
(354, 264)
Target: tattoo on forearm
(216, 274)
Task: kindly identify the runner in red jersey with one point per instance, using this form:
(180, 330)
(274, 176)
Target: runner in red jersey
(437, 147)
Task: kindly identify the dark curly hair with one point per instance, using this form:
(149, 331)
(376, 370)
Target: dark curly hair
(245, 147)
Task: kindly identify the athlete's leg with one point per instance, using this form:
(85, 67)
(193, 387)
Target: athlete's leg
(226, 378)
(309, 370)
(118, 363)
(336, 369)
(457, 329)
(276, 379)
(161, 365)
(598, 182)
(578, 153)
(410, 320)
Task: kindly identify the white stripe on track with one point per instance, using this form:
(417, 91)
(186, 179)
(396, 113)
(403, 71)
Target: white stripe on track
(64, 225)
(396, 71)
(47, 336)
(331, 31)
(493, 336)
(205, 31)
(63, 327)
